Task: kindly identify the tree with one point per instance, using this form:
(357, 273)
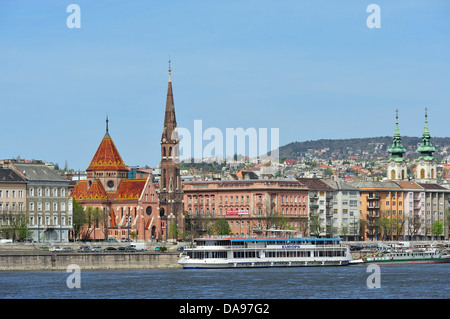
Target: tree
(314, 225)
(437, 228)
(173, 230)
(79, 219)
(221, 227)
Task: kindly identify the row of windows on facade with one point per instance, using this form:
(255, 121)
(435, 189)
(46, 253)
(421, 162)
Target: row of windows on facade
(40, 193)
(11, 207)
(62, 206)
(47, 220)
(11, 193)
(259, 211)
(237, 223)
(409, 195)
(222, 199)
(5, 221)
(388, 203)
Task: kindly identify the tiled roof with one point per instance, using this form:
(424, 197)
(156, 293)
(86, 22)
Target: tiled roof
(432, 186)
(314, 184)
(96, 192)
(8, 175)
(79, 191)
(107, 157)
(40, 172)
(130, 189)
(409, 185)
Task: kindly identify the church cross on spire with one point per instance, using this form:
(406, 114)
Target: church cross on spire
(397, 150)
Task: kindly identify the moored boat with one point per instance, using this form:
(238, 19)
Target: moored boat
(408, 256)
(231, 252)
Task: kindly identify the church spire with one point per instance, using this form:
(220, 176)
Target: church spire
(170, 121)
(397, 170)
(426, 149)
(397, 150)
(107, 128)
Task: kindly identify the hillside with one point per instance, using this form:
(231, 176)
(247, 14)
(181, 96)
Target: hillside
(363, 147)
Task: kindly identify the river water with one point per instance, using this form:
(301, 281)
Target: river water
(428, 281)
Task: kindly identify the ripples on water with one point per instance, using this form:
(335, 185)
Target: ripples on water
(397, 282)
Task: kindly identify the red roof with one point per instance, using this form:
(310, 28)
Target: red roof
(130, 189)
(107, 157)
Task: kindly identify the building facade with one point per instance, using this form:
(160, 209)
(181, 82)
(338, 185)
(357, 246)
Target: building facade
(13, 207)
(251, 207)
(346, 211)
(48, 203)
(320, 198)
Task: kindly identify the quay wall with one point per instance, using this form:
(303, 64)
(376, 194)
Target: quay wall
(37, 261)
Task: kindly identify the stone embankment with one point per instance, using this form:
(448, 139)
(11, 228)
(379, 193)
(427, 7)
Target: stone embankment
(35, 257)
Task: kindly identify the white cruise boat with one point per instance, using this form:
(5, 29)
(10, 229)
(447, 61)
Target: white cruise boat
(230, 252)
(409, 256)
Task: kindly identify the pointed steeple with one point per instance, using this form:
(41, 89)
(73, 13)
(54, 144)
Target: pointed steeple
(107, 129)
(107, 156)
(426, 149)
(397, 150)
(170, 121)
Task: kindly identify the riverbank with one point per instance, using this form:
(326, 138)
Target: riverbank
(35, 261)
(36, 257)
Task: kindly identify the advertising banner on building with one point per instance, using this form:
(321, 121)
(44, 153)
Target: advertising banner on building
(237, 212)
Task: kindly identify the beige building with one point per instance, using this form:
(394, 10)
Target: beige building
(48, 204)
(12, 202)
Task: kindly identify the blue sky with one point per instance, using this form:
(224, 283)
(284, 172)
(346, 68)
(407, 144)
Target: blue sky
(313, 69)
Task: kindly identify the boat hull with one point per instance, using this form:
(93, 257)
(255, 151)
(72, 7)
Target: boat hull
(443, 259)
(226, 264)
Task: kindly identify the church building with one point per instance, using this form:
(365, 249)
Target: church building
(118, 206)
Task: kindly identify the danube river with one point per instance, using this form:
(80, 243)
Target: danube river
(429, 281)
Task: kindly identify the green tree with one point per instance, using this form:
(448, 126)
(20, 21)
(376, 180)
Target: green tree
(437, 228)
(173, 230)
(79, 219)
(314, 224)
(221, 227)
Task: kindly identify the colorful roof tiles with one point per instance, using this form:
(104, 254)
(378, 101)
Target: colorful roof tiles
(107, 157)
(130, 189)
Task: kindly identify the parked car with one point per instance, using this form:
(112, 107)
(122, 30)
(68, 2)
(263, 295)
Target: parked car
(55, 248)
(68, 249)
(84, 248)
(125, 240)
(111, 240)
(97, 248)
(180, 248)
(127, 248)
(109, 248)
